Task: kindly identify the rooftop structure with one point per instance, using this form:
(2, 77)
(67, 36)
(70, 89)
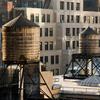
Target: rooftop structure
(72, 89)
(59, 30)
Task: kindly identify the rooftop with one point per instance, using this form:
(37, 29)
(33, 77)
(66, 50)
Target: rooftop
(74, 86)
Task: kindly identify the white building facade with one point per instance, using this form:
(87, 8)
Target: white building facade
(60, 26)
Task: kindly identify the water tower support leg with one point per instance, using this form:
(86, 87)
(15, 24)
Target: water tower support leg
(21, 83)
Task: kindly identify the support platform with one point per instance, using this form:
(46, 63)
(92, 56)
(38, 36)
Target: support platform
(83, 65)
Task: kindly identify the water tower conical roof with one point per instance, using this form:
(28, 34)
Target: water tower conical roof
(88, 31)
(20, 21)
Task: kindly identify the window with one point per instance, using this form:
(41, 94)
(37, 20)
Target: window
(73, 45)
(72, 18)
(98, 30)
(68, 5)
(67, 45)
(61, 5)
(46, 32)
(32, 17)
(48, 18)
(43, 17)
(95, 29)
(67, 31)
(41, 59)
(96, 19)
(46, 45)
(93, 18)
(83, 29)
(56, 71)
(51, 31)
(57, 59)
(40, 32)
(72, 6)
(51, 45)
(37, 17)
(52, 59)
(99, 43)
(68, 19)
(77, 43)
(73, 31)
(77, 31)
(62, 18)
(40, 45)
(84, 19)
(46, 59)
(77, 6)
(77, 19)
(88, 19)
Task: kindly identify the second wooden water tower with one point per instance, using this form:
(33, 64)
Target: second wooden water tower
(86, 62)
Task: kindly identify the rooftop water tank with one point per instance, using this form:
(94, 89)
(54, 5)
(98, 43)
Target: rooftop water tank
(89, 42)
(20, 39)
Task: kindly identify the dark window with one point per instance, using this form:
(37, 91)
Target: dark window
(72, 18)
(56, 71)
(68, 5)
(73, 31)
(41, 59)
(99, 43)
(32, 17)
(46, 45)
(77, 6)
(67, 31)
(95, 29)
(77, 31)
(77, 43)
(83, 29)
(68, 18)
(96, 19)
(43, 17)
(67, 45)
(61, 5)
(51, 45)
(48, 18)
(72, 6)
(40, 32)
(52, 59)
(37, 17)
(62, 18)
(46, 32)
(77, 19)
(73, 44)
(46, 59)
(57, 59)
(51, 31)
(40, 45)
(84, 19)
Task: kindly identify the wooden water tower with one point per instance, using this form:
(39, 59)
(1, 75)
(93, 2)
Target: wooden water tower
(20, 46)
